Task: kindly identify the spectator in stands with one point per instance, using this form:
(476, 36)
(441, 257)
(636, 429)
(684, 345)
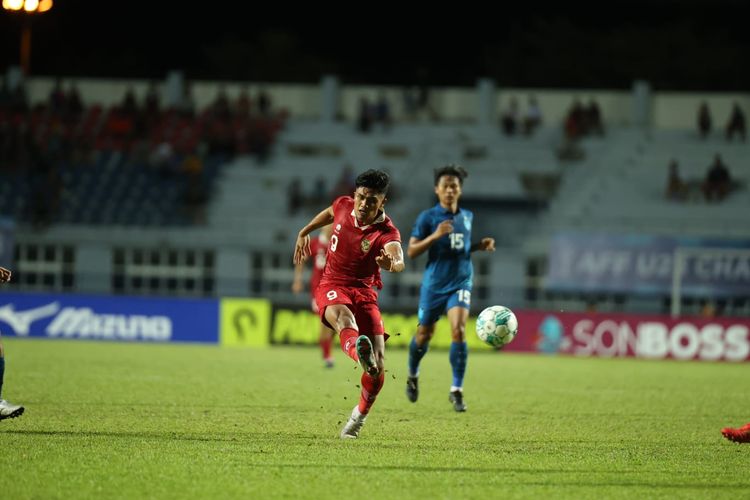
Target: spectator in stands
(151, 102)
(164, 160)
(424, 106)
(19, 99)
(319, 193)
(220, 107)
(593, 123)
(4, 93)
(129, 106)
(264, 103)
(533, 116)
(676, 187)
(382, 111)
(57, 98)
(345, 184)
(73, 103)
(718, 181)
(708, 309)
(295, 198)
(736, 123)
(575, 125)
(365, 116)
(186, 105)
(242, 109)
(704, 120)
(509, 118)
(45, 188)
(6, 143)
(19, 147)
(196, 191)
(410, 103)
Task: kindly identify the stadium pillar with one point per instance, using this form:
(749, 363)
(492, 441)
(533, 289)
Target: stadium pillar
(329, 98)
(232, 272)
(486, 100)
(13, 77)
(93, 264)
(173, 90)
(27, 9)
(642, 104)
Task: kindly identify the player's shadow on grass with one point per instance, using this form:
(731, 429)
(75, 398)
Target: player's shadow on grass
(535, 472)
(240, 436)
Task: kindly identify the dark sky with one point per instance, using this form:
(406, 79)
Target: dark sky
(687, 45)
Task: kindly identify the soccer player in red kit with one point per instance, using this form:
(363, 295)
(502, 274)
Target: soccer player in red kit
(364, 241)
(740, 435)
(318, 250)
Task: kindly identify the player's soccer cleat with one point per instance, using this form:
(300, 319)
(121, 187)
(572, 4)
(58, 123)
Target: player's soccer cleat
(9, 410)
(412, 389)
(329, 363)
(457, 398)
(353, 425)
(741, 435)
(366, 356)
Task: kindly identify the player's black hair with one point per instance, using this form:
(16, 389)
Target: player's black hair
(377, 180)
(451, 169)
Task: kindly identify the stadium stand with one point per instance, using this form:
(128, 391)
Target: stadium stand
(132, 177)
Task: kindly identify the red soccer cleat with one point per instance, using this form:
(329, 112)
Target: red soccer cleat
(741, 435)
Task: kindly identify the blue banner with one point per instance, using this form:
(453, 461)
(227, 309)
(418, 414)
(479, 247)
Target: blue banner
(136, 319)
(644, 264)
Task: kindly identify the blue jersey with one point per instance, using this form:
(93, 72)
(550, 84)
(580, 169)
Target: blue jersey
(449, 261)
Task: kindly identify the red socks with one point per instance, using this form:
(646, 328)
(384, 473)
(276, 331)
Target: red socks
(325, 345)
(348, 337)
(370, 385)
(370, 388)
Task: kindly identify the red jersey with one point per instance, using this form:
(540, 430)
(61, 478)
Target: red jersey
(318, 250)
(352, 248)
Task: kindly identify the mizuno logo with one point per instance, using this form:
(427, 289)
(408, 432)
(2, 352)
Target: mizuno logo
(83, 322)
(21, 321)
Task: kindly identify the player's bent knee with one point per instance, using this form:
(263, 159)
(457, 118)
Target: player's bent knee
(424, 335)
(458, 334)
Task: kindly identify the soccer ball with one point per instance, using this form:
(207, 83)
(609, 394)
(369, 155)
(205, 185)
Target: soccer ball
(497, 326)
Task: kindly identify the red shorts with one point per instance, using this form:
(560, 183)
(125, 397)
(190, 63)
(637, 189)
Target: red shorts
(363, 302)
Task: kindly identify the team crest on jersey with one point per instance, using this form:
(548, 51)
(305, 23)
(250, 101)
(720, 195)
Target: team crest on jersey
(365, 245)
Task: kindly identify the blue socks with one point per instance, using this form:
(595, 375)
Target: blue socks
(416, 354)
(458, 355)
(2, 372)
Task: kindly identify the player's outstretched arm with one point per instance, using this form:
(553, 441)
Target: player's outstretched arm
(391, 257)
(302, 246)
(484, 245)
(418, 247)
(297, 283)
(4, 275)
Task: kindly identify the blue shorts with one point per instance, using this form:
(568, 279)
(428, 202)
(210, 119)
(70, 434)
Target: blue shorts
(434, 305)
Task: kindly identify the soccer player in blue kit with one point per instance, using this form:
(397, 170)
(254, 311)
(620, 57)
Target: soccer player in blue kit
(444, 230)
(7, 409)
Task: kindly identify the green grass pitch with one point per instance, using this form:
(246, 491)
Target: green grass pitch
(117, 420)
